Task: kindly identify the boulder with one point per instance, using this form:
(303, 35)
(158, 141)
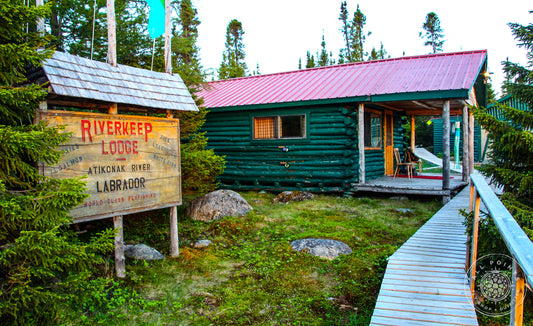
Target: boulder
(288, 196)
(323, 248)
(217, 204)
(142, 252)
(201, 244)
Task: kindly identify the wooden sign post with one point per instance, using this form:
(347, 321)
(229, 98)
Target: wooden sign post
(131, 164)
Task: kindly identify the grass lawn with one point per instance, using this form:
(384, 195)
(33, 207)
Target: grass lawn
(251, 276)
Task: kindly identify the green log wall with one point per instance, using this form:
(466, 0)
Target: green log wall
(326, 160)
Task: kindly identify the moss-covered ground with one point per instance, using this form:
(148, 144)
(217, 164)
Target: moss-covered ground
(250, 275)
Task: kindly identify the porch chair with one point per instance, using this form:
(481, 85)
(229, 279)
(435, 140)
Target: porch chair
(411, 157)
(409, 165)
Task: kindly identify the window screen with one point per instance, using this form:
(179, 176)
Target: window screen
(292, 126)
(373, 130)
(276, 127)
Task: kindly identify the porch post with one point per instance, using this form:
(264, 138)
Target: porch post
(361, 139)
(413, 142)
(446, 151)
(470, 142)
(465, 126)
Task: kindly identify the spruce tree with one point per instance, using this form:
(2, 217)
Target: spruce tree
(345, 54)
(354, 35)
(433, 33)
(233, 64)
(310, 61)
(323, 58)
(359, 36)
(511, 157)
(41, 262)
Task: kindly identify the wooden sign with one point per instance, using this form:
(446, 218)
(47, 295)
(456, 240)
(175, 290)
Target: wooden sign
(131, 163)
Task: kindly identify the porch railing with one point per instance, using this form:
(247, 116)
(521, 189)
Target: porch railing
(518, 243)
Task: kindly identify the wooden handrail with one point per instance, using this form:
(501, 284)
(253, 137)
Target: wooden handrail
(518, 243)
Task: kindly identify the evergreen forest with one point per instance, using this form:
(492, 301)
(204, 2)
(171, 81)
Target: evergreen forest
(55, 273)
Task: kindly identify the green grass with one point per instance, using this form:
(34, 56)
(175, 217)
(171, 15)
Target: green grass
(251, 276)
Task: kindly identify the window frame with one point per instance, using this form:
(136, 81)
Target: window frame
(278, 126)
(368, 128)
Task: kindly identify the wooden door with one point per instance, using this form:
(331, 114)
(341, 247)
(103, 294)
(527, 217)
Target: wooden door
(389, 143)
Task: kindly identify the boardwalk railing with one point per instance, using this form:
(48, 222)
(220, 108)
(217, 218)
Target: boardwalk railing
(519, 245)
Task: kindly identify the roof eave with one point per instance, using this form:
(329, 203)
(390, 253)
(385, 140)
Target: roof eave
(429, 95)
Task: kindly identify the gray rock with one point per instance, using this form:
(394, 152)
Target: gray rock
(142, 252)
(201, 244)
(288, 196)
(217, 204)
(324, 248)
(404, 210)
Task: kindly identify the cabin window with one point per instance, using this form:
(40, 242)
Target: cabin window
(279, 127)
(373, 130)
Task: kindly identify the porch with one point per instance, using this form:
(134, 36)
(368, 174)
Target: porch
(429, 184)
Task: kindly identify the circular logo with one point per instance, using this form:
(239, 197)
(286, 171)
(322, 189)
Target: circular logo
(493, 285)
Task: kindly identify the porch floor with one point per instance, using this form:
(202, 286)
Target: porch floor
(423, 184)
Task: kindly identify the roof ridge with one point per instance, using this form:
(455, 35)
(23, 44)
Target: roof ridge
(442, 54)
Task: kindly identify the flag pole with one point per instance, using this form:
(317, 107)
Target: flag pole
(94, 23)
(168, 61)
(153, 53)
(111, 34)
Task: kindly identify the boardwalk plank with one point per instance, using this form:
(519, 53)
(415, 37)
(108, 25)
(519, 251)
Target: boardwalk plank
(419, 278)
(424, 243)
(393, 321)
(435, 269)
(425, 297)
(423, 289)
(417, 308)
(457, 276)
(464, 305)
(427, 284)
(425, 318)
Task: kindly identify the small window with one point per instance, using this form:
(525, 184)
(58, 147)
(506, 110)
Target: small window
(373, 133)
(276, 127)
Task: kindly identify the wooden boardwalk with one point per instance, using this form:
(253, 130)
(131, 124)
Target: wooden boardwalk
(424, 283)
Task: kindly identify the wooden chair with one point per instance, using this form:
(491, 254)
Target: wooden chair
(409, 165)
(410, 157)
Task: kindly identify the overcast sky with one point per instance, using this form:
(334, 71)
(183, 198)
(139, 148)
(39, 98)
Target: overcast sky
(280, 32)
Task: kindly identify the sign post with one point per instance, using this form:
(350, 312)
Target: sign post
(130, 163)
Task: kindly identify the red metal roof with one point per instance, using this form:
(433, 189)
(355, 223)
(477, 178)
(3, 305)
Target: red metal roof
(426, 73)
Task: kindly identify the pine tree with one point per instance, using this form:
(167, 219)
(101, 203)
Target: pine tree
(345, 54)
(358, 37)
(310, 61)
(323, 58)
(257, 70)
(41, 262)
(433, 32)
(354, 35)
(377, 55)
(233, 64)
(511, 158)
